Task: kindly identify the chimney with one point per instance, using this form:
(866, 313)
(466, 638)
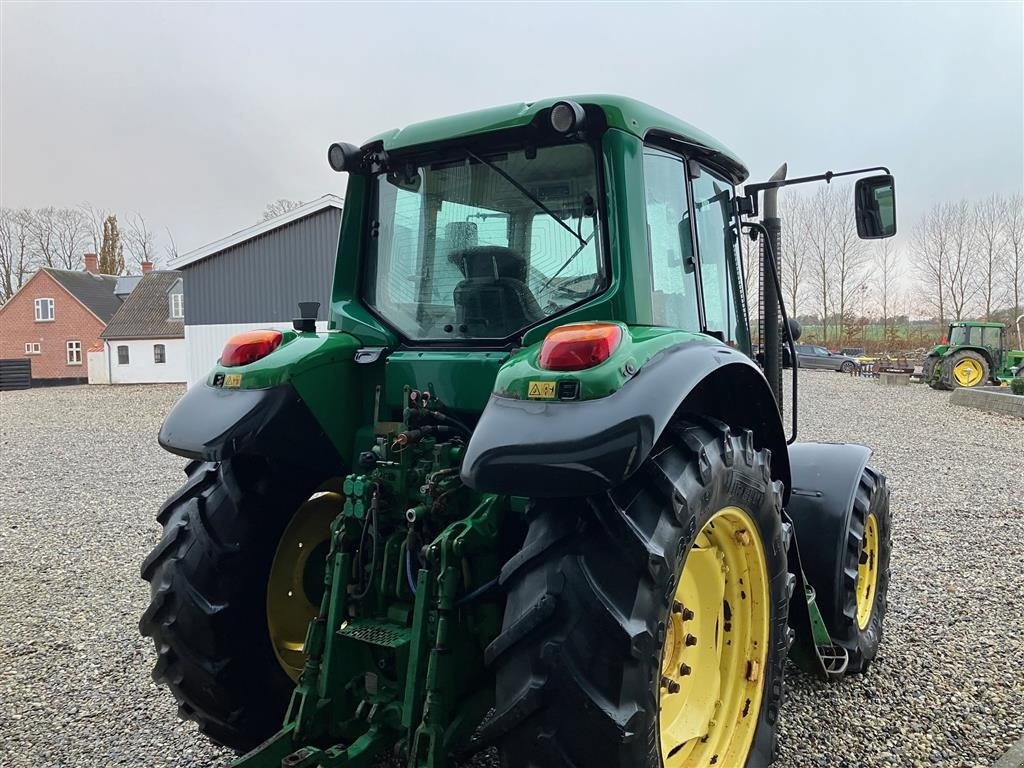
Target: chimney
(90, 263)
(147, 267)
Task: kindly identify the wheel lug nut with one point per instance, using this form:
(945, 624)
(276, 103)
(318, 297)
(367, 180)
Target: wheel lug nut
(684, 670)
(677, 607)
(670, 685)
(687, 614)
(690, 640)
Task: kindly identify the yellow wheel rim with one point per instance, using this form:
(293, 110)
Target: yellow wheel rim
(867, 572)
(968, 372)
(296, 582)
(715, 647)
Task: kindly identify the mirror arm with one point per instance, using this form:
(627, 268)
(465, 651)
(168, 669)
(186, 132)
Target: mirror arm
(747, 205)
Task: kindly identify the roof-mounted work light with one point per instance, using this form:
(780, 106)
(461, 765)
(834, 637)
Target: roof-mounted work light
(567, 117)
(343, 157)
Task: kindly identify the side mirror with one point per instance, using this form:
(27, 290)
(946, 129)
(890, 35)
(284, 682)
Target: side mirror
(875, 201)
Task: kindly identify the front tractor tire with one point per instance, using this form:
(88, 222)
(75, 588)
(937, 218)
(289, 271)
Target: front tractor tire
(208, 614)
(646, 628)
(855, 613)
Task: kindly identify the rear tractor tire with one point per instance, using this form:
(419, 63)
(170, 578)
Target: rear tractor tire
(965, 369)
(646, 627)
(234, 583)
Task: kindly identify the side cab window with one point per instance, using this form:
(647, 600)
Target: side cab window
(721, 272)
(992, 338)
(669, 245)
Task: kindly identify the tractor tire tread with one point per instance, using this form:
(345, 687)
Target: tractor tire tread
(212, 652)
(577, 666)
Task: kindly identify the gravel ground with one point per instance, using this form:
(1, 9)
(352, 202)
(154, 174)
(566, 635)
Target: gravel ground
(82, 476)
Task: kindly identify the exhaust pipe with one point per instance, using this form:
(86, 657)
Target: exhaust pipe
(772, 341)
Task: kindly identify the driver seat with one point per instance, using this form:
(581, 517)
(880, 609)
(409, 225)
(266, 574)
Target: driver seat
(493, 300)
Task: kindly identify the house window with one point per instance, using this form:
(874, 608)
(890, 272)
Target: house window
(44, 310)
(32, 348)
(74, 353)
(122, 354)
(177, 306)
(159, 353)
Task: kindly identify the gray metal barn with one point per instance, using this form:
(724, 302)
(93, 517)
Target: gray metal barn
(255, 278)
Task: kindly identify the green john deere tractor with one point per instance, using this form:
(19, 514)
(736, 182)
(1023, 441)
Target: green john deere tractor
(973, 354)
(530, 490)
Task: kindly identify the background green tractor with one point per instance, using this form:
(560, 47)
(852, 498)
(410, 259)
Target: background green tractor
(530, 490)
(973, 354)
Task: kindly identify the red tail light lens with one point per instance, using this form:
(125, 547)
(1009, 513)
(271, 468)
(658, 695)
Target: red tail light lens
(578, 346)
(248, 347)
(945, 340)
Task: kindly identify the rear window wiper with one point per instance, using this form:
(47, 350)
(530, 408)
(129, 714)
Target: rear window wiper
(527, 194)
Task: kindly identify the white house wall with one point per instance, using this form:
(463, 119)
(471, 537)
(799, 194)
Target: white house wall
(204, 343)
(141, 369)
(98, 371)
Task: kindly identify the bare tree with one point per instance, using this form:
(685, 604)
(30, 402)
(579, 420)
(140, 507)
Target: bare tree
(94, 219)
(888, 272)
(139, 239)
(71, 236)
(990, 215)
(278, 207)
(44, 229)
(928, 254)
(851, 260)
(818, 224)
(795, 250)
(1014, 238)
(171, 249)
(16, 257)
(962, 285)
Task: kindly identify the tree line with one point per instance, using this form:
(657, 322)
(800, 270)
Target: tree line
(961, 260)
(58, 237)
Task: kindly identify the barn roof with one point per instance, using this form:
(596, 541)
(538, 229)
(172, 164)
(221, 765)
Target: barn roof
(306, 209)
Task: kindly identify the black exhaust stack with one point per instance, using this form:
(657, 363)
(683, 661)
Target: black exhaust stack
(772, 341)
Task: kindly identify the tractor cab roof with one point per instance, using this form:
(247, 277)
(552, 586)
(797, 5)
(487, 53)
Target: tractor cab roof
(976, 324)
(620, 112)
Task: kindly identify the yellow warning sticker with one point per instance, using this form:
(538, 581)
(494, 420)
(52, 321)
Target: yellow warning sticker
(233, 380)
(541, 390)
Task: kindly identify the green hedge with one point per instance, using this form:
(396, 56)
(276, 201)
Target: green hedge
(1017, 385)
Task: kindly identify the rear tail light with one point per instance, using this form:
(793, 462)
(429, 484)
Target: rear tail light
(248, 347)
(578, 346)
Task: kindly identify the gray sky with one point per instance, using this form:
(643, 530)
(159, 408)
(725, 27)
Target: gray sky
(198, 115)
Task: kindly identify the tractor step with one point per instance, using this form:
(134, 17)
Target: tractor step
(377, 633)
(835, 659)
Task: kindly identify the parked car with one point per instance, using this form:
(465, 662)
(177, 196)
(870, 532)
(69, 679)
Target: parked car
(810, 356)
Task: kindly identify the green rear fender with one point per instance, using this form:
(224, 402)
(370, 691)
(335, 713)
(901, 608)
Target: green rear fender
(300, 404)
(551, 434)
